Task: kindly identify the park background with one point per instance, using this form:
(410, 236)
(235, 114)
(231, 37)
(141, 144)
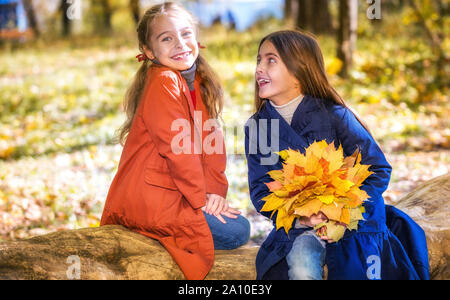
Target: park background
(65, 66)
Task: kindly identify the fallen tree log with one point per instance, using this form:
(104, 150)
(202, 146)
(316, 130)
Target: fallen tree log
(114, 252)
(429, 206)
(108, 252)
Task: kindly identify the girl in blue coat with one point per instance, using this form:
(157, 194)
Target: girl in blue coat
(295, 106)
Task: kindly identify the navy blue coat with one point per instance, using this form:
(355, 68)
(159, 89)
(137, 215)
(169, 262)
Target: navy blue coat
(387, 245)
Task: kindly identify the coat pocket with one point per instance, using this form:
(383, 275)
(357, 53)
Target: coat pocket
(160, 178)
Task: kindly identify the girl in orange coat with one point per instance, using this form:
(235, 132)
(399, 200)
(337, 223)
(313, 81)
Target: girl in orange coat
(171, 183)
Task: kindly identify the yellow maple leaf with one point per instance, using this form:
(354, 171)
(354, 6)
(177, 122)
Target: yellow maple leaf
(309, 208)
(326, 199)
(342, 186)
(350, 161)
(333, 210)
(316, 149)
(335, 231)
(272, 202)
(334, 157)
(276, 175)
(284, 220)
(274, 185)
(312, 163)
(355, 217)
(356, 196)
(345, 216)
(281, 193)
(296, 158)
(288, 171)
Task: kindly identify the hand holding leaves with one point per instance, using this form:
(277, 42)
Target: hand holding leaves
(318, 184)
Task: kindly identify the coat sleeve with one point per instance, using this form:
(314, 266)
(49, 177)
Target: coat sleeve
(215, 165)
(257, 172)
(161, 107)
(351, 134)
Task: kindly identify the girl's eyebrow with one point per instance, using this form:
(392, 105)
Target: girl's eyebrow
(270, 53)
(267, 54)
(167, 31)
(161, 34)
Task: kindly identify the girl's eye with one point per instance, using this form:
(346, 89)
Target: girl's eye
(166, 39)
(187, 33)
(272, 60)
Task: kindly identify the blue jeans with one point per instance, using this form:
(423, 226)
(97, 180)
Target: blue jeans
(306, 258)
(233, 234)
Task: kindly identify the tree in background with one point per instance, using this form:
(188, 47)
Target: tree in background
(31, 16)
(429, 15)
(346, 35)
(66, 25)
(314, 15)
(107, 15)
(135, 10)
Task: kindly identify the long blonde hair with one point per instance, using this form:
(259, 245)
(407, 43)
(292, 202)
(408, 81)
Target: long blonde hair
(211, 89)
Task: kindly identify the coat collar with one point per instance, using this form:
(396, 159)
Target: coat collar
(287, 132)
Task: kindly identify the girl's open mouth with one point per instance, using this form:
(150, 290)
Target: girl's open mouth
(182, 55)
(263, 82)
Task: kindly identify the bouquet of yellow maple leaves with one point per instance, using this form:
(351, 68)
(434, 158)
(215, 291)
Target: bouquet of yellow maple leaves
(321, 180)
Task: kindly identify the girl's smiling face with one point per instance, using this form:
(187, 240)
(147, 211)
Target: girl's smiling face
(173, 42)
(274, 80)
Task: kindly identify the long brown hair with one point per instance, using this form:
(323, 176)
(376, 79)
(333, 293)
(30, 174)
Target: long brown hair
(302, 56)
(211, 89)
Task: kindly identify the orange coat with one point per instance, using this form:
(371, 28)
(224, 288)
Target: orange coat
(159, 193)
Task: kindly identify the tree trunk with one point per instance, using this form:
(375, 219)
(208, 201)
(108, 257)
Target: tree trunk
(322, 17)
(314, 16)
(429, 206)
(135, 10)
(66, 25)
(305, 14)
(107, 14)
(31, 16)
(348, 22)
(109, 252)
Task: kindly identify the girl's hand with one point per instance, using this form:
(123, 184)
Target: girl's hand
(322, 232)
(313, 220)
(218, 206)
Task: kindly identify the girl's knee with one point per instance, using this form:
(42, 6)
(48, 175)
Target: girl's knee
(306, 258)
(241, 230)
(233, 234)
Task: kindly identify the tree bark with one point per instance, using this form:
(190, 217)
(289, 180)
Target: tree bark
(322, 17)
(66, 25)
(31, 16)
(109, 252)
(107, 14)
(346, 38)
(314, 16)
(305, 14)
(429, 206)
(135, 10)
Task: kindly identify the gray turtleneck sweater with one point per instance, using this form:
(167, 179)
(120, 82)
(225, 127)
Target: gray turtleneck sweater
(188, 75)
(287, 110)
